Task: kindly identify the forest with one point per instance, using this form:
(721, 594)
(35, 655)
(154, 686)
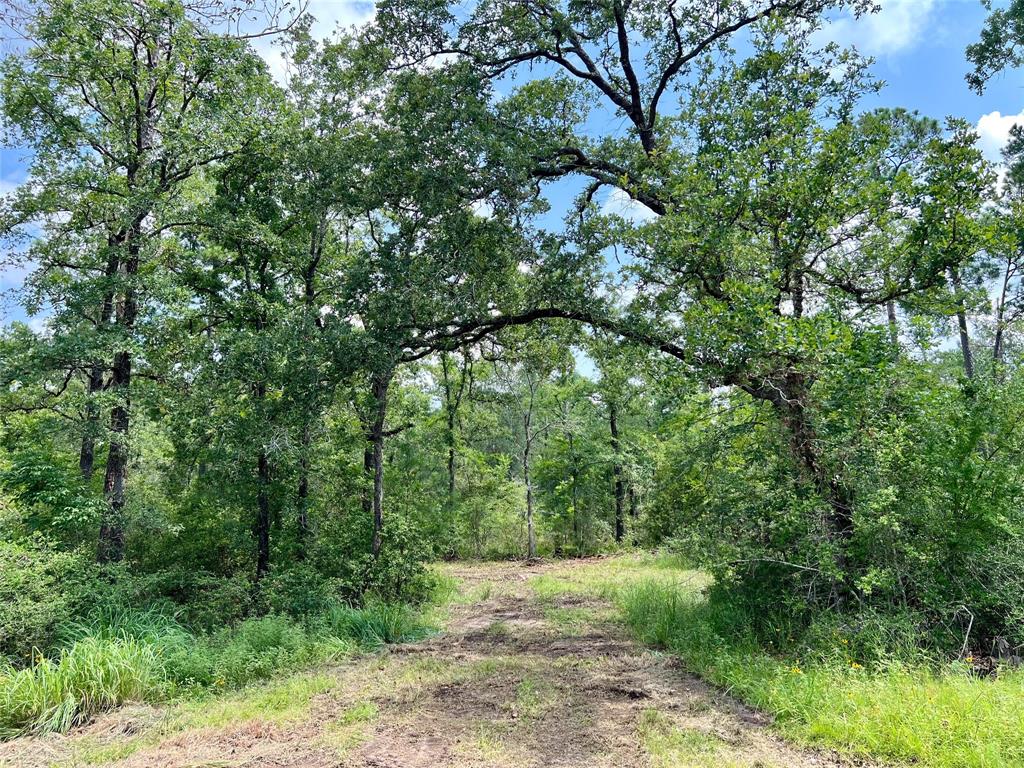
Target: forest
(641, 304)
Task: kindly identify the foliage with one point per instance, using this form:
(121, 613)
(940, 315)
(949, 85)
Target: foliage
(117, 657)
(302, 337)
(888, 707)
(93, 675)
(41, 591)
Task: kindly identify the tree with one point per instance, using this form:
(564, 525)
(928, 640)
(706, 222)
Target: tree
(778, 210)
(123, 104)
(1000, 45)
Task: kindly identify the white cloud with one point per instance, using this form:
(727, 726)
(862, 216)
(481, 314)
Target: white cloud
(994, 131)
(329, 16)
(898, 26)
(618, 203)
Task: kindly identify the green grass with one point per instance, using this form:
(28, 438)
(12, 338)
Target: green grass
(92, 675)
(116, 658)
(607, 577)
(925, 714)
(376, 625)
(672, 747)
(533, 697)
(281, 701)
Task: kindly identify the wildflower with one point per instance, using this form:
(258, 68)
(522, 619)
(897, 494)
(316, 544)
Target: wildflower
(796, 671)
(855, 665)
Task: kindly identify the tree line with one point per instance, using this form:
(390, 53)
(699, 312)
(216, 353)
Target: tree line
(339, 322)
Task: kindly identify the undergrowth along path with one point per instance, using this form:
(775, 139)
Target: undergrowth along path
(532, 669)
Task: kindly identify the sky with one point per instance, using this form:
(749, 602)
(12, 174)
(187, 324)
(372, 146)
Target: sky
(918, 47)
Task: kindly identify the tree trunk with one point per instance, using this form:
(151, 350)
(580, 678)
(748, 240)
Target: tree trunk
(87, 452)
(961, 320)
(634, 514)
(302, 494)
(788, 394)
(997, 344)
(531, 536)
(620, 487)
(894, 328)
(577, 534)
(450, 406)
(111, 539)
(262, 529)
(380, 384)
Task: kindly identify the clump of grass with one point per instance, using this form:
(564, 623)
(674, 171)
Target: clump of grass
(931, 714)
(376, 624)
(93, 675)
(147, 626)
(533, 697)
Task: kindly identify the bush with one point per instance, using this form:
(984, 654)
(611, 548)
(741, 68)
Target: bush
(374, 625)
(298, 591)
(39, 591)
(253, 650)
(398, 574)
(199, 600)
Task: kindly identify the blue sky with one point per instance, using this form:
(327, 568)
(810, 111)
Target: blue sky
(918, 46)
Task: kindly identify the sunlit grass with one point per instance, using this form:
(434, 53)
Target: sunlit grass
(931, 715)
(607, 577)
(672, 747)
(282, 701)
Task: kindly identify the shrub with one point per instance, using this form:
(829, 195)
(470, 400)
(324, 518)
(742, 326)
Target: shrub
(398, 574)
(298, 591)
(253, 650)
(199, 600)
(39, 591)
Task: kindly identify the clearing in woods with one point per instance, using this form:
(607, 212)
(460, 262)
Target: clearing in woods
(531, 669)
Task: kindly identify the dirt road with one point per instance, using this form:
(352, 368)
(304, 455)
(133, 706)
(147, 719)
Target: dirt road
(520, 676)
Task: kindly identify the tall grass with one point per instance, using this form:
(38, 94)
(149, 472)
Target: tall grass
(375, 625)
(908, 711)
(92, 675)
(117, 657)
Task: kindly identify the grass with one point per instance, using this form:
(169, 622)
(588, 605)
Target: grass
(92, 675)
(352, 728)
(608, 577)
(672, 747)
(122, 657)
(926, 714)
(533, 697)
(281, 701)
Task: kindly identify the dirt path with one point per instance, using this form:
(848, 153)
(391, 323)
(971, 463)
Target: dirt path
(516, 679)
